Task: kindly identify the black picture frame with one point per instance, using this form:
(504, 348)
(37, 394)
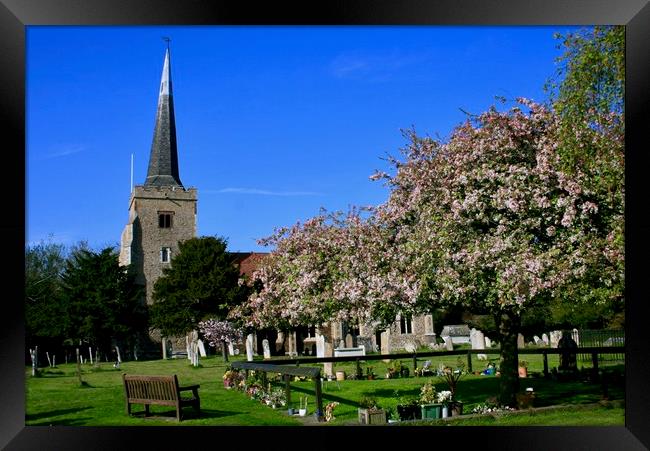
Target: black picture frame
(15, 15)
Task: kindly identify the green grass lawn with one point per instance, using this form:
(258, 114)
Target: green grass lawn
(56, 398)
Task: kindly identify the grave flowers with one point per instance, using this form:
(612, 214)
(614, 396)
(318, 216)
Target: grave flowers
(429, 406)
(444, 398)
(276, 398)
(408, 408)
(451, 376)
(370, 412)
(232, 378)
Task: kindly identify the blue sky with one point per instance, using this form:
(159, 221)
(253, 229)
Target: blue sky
(273, 123)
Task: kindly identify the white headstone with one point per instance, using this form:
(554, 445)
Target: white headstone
(537, 340)
(231, 349)
(545, 339)
(201, 348)
(320, 345)
(328, 369)
(349, 341)
(409, 346)
(428, 325)
(555, 338)
(267, 349)
(249, 347)
(449, 344)
(576, 336)
(488, 342)
(479, 342)
(520, 341)
(342, 344)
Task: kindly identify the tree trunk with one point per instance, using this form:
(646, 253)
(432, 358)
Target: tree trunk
(224, 350)
(508, 324)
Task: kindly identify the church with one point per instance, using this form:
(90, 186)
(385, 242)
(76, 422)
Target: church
(163, 212)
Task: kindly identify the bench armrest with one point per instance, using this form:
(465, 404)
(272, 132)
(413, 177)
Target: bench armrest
(189, 387)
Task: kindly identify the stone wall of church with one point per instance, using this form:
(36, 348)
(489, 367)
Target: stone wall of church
(145, 235)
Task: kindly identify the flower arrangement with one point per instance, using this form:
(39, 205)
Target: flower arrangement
(491, 408)
(452, 375)
(444, 397)
(276, 398)
(428, 393)
(232, 378)
(329, 411)
(368, 402)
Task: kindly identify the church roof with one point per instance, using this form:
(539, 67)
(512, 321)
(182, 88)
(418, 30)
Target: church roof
(163, 160)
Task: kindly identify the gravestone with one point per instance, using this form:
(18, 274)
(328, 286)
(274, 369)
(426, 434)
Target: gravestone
(385, 343)
(428, 325)
(320, 345)
(555, 338)
(249, 347)
(488, 342)
(538, 341)
(231, 348)
(279, 342)
(449, 344)
(349, 341)
(479, 343)
(545, 339)
(520, 341)
(342, 344)
(576, 336)
(267, 349)
(328, 367)
(409, 346)
(201, 348)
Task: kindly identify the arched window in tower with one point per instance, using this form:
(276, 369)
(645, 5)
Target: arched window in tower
(165, 254)
(165, 219)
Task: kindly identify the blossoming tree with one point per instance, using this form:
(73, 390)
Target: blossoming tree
(220, 333)
(491, 222)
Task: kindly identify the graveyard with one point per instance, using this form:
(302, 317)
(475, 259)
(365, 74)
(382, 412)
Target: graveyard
(93, 394)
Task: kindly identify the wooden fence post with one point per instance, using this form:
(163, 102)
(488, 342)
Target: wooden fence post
(319, 399)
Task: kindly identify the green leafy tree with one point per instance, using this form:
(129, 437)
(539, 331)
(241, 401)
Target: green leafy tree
(102, 301)
(587, 93)
(201, 281)
(44, 311)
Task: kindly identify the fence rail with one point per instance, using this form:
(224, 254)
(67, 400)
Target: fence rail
(593, 351)
(600, 338)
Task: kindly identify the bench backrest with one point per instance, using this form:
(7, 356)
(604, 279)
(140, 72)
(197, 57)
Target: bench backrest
(159, 388)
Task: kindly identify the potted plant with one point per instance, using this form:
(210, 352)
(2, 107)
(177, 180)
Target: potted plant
(429, 406)
(523, 368)
(444, 398)
(370, 374)
(451, 377)
(370, 412)
(408, 408)
(302, 411)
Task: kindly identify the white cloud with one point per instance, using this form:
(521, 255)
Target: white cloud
(379, 67)
(64, 151)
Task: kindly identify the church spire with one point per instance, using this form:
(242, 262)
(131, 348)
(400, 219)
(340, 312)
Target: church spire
(163, 160)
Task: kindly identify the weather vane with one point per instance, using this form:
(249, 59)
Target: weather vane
(167, 40)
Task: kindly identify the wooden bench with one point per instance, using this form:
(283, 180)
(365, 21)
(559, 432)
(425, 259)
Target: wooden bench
(159, 390)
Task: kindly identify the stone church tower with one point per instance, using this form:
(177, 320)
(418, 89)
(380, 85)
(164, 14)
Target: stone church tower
(162, 212)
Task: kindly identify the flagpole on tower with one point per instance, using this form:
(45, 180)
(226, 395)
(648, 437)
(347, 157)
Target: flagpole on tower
(131, 173)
